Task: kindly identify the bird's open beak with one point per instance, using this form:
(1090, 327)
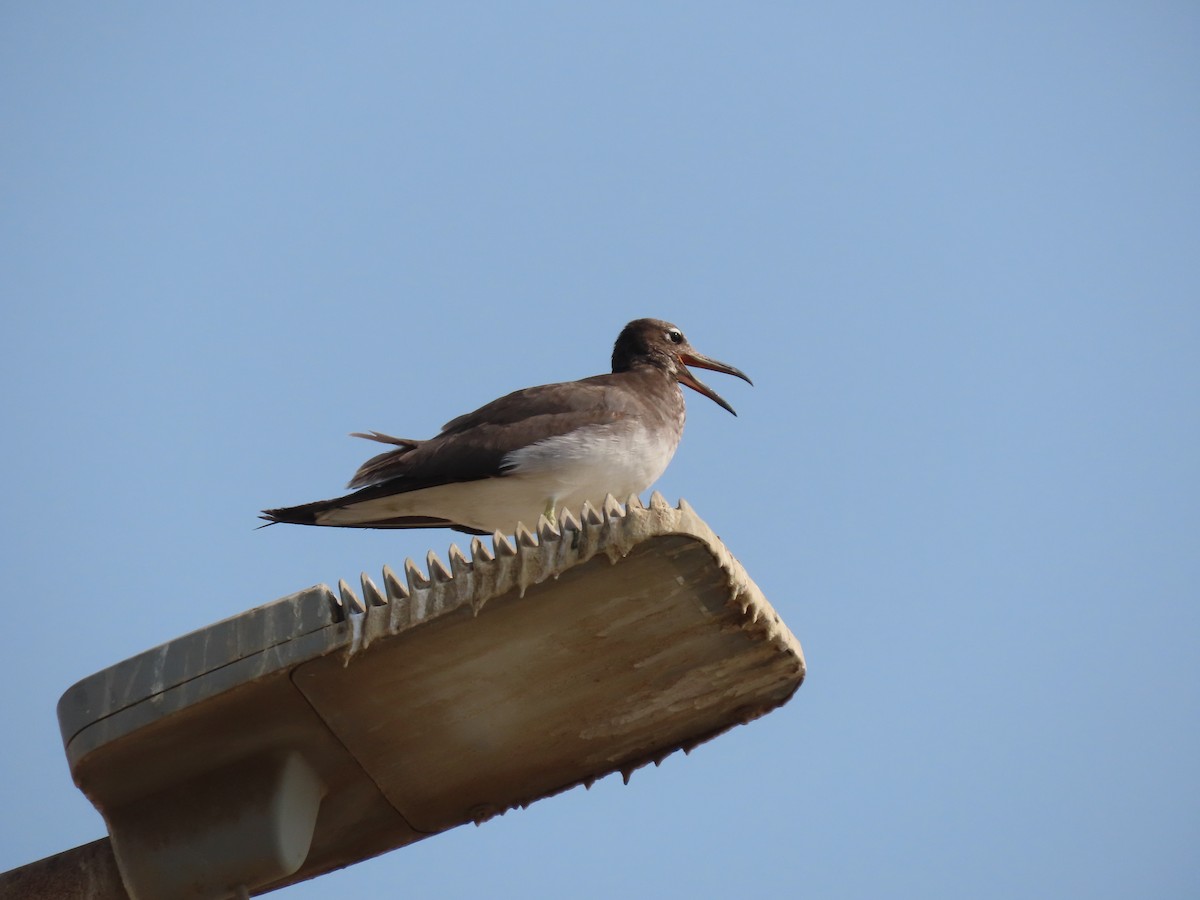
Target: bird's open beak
(692, 358)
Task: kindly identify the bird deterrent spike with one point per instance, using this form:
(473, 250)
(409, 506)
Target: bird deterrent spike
(658, 502)
(350, 600)
(524, 536)
(546, 530)
(416, 579)
(336, 609)
(479, 550)
(633, 501)
(459, 564)
(591, 515)
(393, 586)
(501, 545)
(567, 520)
(371, 593)
(438, 573)
(612, 507)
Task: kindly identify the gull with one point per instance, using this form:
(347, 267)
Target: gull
(534, 451)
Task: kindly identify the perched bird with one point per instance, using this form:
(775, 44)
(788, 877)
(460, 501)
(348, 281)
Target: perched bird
(533, 451)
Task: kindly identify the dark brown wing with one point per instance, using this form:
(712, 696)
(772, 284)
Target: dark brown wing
(477, 445)
(583, 396)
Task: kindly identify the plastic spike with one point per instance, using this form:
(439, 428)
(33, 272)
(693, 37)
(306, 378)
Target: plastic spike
(567, 520)
(685, 507)
(612, 507)
(501, 546)
(349, 599)
(483, 812)
(371, 593)
(591, 515)
(688, 746)
(395, 589)
(546, 530)
(480, 551)
(416, 579)
(459, 564)
(336, 611)
(438, 573)
(659, 502)
(633, 501)
(524, 536)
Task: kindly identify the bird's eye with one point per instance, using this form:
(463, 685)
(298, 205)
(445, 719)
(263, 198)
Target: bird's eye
(675, 336)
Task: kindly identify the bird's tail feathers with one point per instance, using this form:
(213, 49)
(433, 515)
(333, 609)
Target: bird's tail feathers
(385, 438)
(387, 464)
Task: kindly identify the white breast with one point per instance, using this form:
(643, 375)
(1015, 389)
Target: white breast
(589, 463)
(558, 472)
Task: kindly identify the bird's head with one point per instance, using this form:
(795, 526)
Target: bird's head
(657, 343)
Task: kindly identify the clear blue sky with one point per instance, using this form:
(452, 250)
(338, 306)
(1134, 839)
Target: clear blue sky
(957, 246)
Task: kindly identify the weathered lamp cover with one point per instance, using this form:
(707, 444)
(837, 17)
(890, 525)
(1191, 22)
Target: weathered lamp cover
(322, 729)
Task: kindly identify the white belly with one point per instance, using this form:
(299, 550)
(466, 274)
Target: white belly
(558, 472)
